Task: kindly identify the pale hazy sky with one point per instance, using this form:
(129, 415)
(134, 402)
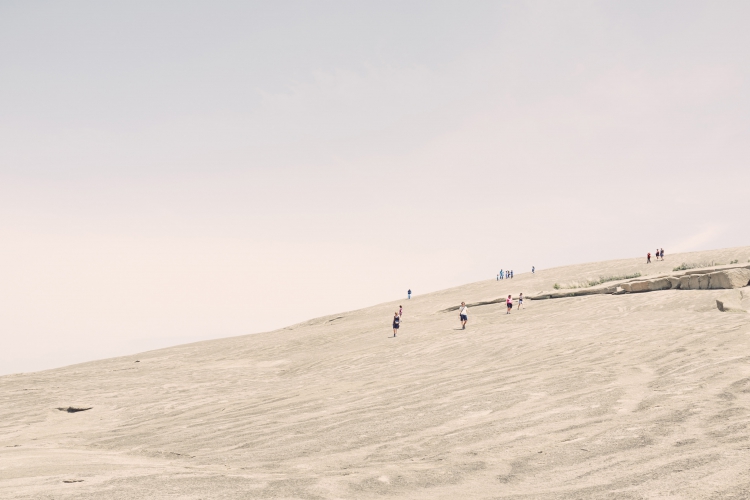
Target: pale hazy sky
(176, 171)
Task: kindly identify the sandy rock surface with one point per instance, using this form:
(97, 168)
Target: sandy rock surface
(635, 395)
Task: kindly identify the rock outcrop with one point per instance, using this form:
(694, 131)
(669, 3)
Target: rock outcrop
(717, 280)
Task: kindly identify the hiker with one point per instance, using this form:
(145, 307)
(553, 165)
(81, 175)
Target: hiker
(408, 294)
(662, 254)
(400, 311)
(396, 321)
(509, 303)
(463, 315)
(533, 269)
(648, 258)
(520, 301)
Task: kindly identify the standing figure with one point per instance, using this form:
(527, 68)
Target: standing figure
(396, 321)
(662, 254)
(511, 274)
(408, 294)
(463, 315)
(520, 301)
(400, 311)
(501, 274)
(509, 304)
(648, 258)
(533, 269)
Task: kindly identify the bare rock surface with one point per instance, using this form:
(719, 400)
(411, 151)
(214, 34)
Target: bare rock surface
(638, 395)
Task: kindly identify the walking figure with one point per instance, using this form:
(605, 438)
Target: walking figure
(648, 258)
(520, 301)
(408, 294)
(396, 321)
(400, 311)
(509, 304)
(463, 315)
(661, 252)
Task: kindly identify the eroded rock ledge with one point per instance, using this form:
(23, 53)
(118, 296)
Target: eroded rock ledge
(737, 277)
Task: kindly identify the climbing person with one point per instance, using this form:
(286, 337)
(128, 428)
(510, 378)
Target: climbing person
(396, 321)
(408, 294)
(648, 258)
(463, 315)
(509, 303)
(520, 301)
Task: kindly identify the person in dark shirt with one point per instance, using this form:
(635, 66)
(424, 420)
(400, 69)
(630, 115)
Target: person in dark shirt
(396, 322)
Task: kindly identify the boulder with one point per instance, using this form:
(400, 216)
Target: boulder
(685, 282)
(659, 284)
(724, 306)
(639, 286)
(729, 278)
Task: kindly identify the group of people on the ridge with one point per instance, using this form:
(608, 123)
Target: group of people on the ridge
(658, 255)
(509, 274)
(504, 275)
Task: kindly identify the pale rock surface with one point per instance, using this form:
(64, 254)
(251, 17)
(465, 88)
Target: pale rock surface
(629, 396)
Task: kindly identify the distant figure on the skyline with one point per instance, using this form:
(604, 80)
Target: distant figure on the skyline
(657, 254)
(509, 303)
(408, 294)
(463, 315)
(520, 301)
(396, 321)
(502, 274)
(533, 269)
(648, 258)
(497, 278)
(661, 254)
(507, 274)
(511, 274)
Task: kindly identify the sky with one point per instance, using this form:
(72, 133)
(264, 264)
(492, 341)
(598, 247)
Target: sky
(177, 171)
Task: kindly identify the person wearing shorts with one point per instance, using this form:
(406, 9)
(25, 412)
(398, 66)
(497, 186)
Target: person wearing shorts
(396, 321)
(520, 301)
(509, 303)
(463, 315)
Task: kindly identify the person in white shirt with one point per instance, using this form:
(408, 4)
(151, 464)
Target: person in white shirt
(463, 314)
